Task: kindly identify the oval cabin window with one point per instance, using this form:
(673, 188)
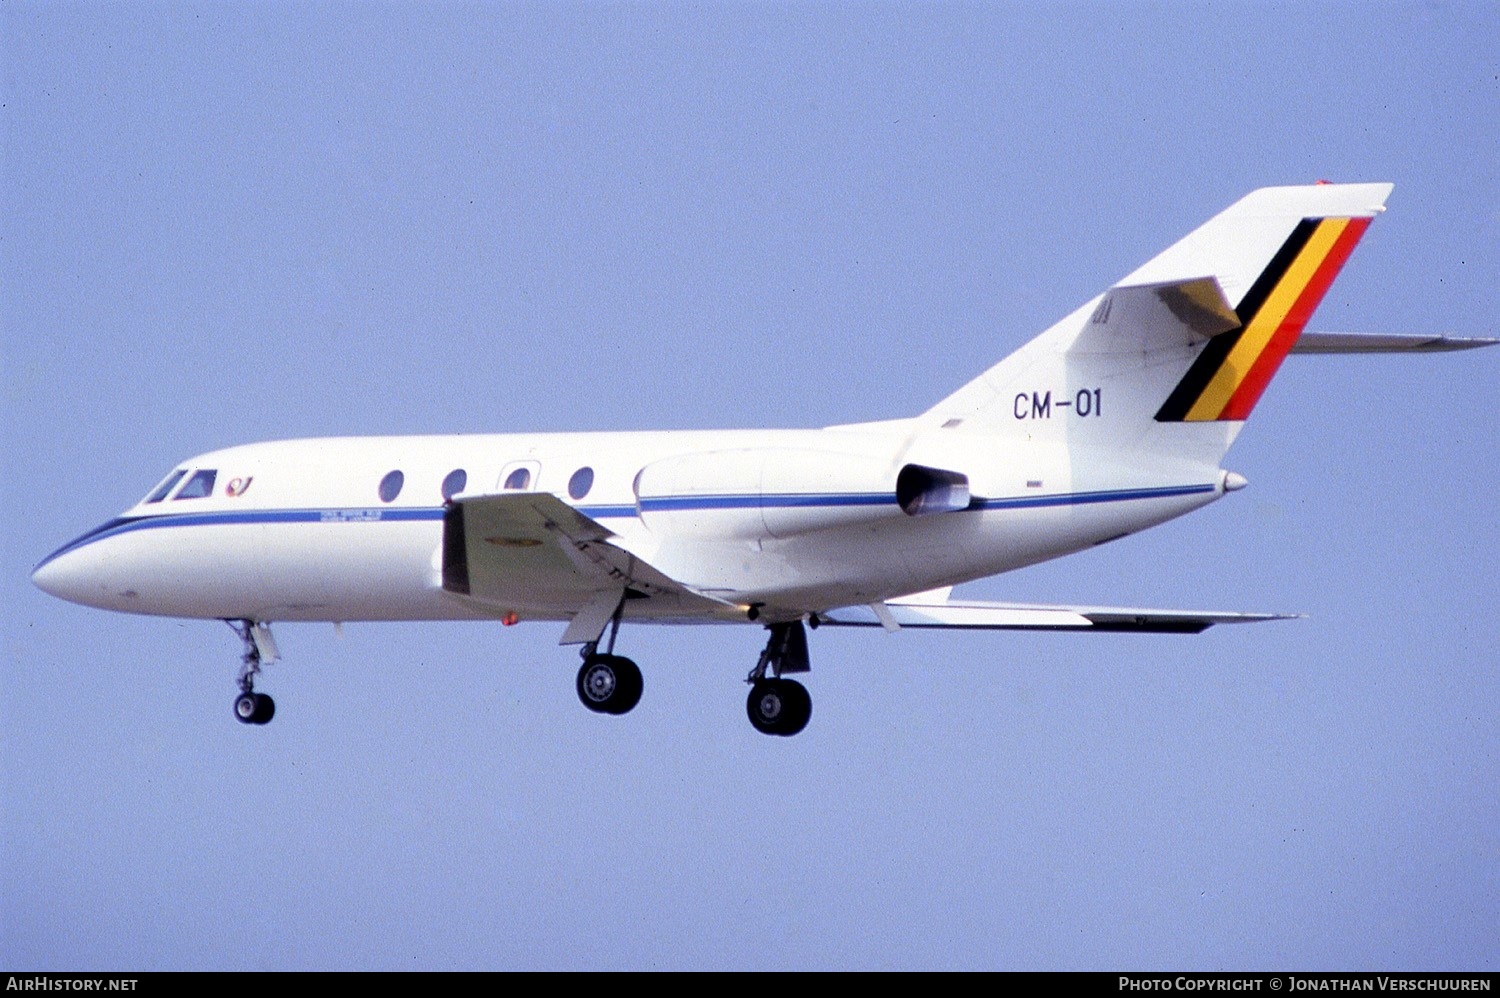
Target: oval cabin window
(454, 483)
(390, 486)
(581, 482)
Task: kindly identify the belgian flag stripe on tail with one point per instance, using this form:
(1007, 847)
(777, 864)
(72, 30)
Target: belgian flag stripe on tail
(1227, 379)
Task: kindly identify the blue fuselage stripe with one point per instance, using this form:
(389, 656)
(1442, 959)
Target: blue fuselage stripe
(1085, 498)
(127, 524)
(661, 504)
(665, 504)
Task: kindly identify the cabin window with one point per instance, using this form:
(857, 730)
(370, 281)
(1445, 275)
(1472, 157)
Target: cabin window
(581, 482)
(170, 482)
(518, 476)
(200, 486)
(390, 486)
(454, 483)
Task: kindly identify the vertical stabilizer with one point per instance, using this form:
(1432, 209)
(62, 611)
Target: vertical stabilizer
(1228, 377)
(1193, 336)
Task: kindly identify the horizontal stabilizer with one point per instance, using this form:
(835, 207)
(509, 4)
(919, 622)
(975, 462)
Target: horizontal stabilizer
(986, 616)
(1386, 343)
(1151, 316)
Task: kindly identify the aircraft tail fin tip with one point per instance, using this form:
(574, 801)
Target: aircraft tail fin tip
(1293, 243)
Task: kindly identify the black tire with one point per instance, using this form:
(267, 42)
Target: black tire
(265, 709)
(798, 709)
(632, 684)
(778, 707)
(766, 705)
(245, 706)
(609, 684)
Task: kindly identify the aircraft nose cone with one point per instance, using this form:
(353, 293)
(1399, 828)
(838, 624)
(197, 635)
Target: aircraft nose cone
(60, 576)
(76, 571)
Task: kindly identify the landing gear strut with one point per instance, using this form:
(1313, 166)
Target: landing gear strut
(251, 707)
(779, 706)
(609, 683)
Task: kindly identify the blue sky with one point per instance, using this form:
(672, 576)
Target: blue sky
(227, 223)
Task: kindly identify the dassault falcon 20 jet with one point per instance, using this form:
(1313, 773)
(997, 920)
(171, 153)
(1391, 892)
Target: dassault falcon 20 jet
(1114, 420)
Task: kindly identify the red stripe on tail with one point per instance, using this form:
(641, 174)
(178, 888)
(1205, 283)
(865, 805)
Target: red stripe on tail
(1259, 376)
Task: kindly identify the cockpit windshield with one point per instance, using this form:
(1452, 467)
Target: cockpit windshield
(200, 486)
(170, 482)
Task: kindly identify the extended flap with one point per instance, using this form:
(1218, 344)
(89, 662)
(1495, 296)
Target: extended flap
(531, 549)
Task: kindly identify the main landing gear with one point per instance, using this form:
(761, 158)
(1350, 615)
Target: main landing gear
(780, 706)
(609, 683)
(251, 707)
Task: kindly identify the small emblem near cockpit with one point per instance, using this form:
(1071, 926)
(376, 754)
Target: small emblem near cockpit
(237, 487)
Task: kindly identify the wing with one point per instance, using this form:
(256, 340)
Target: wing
(986, 616)
(530, 551)
(1385, 343)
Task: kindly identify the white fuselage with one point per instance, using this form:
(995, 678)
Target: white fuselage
(795, 521)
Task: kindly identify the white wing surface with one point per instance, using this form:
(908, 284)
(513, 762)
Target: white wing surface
(517, 551)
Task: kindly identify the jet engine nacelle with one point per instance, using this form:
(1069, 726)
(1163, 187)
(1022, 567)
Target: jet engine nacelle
(780, 493)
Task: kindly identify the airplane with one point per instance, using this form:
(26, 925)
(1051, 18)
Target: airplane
(1113, 420)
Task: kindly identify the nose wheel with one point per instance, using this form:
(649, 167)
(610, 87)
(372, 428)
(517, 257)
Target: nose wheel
(254, 708)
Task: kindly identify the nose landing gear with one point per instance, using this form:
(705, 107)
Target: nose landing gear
(251, 707)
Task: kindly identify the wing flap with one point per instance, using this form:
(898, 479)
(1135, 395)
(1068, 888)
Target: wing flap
(988, 616)
(529, 550)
